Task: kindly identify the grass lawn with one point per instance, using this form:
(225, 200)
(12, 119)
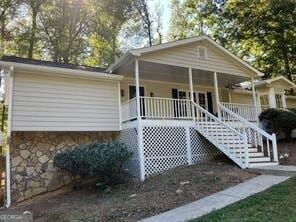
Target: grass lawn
(275, 204)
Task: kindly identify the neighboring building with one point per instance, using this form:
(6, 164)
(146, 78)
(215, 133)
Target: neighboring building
(271, 93)
(170, 104)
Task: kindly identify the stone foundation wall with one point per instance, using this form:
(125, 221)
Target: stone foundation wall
(32, 153)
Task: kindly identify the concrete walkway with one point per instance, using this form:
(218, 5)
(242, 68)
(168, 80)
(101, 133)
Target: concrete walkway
(279, 170)
(218, 200)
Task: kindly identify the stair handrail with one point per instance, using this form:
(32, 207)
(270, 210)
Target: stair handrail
(244, 121)
(261, 132)
(218, 120)
(241, 135)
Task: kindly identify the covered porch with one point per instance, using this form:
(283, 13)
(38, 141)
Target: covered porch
(161, 82)
(165, 92)
(176, 107)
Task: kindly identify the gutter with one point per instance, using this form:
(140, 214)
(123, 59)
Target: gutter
(7, 176)
(65, 71)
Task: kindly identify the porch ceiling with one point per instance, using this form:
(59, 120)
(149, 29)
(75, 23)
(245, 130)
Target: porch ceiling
(168, 73)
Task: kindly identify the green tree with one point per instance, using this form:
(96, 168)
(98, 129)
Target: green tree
(65, 26)
(35, 6)
(7, 11)
(109, 17)
(262, 32)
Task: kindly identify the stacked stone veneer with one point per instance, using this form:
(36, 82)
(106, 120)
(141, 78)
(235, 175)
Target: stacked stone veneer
(32, 153)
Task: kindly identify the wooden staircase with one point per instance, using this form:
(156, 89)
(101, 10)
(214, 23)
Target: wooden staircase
(243, 142)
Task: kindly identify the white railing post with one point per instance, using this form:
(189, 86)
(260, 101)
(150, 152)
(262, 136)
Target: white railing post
(274, 148)
(246, 149)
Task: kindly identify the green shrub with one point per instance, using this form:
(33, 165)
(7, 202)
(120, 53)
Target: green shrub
(104, 161)
(279, 120)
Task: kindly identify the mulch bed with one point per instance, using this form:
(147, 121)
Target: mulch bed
(134, 201)
(287, 152)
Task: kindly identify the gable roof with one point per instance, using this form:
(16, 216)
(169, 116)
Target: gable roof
(141, 51)
(288, 84)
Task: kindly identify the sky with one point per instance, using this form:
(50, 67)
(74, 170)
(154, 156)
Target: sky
(133, 42)
(166, 12)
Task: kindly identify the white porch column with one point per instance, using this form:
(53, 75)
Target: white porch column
(254, 98)
(217, 94)
(191, 83)
(271, 98)
(191, 91)
(259, 103)
(284, 102)
(137, 88)
(140, 127)
(229, 96)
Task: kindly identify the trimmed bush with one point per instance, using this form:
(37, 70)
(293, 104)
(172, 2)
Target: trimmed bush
(279, 120)
(104, 161)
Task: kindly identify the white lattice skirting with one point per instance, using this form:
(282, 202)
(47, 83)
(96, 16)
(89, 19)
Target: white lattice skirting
(129, 137)
(166, 147)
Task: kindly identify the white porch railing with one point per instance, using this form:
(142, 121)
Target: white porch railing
(257, 137)
(245, 110)
(165, 108)
(129, 110)
(157, 108)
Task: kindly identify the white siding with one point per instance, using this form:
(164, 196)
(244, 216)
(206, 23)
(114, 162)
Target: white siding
(291, 103)
(241, 98)
(187, 56)
(58, 103)
(164, 89)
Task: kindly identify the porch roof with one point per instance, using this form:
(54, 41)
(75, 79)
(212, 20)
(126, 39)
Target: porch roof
(168, 73)
(277, 82)
(157, 52)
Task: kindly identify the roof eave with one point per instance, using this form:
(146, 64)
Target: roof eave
(59, 70)
(119, 62)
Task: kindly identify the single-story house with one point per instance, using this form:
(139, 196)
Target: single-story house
(168, 103)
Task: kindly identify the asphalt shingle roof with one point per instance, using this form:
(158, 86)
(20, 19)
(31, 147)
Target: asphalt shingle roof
(50, 63)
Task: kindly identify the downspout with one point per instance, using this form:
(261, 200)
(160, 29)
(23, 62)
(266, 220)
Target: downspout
(8, 190)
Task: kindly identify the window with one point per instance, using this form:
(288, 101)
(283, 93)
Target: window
(278, 100)
(202, 52)
(264, 102)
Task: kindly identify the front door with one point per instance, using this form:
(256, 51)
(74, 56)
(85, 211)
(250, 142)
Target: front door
(204, 99)
(132, 94)
(198, 97)
(132, 91)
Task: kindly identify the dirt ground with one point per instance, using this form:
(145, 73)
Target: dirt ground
(134, 201)
(287, 152)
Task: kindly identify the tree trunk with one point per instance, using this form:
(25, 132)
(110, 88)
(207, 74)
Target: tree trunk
(149, 31)
(33, 33)
(287, 64)
(2, 38)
